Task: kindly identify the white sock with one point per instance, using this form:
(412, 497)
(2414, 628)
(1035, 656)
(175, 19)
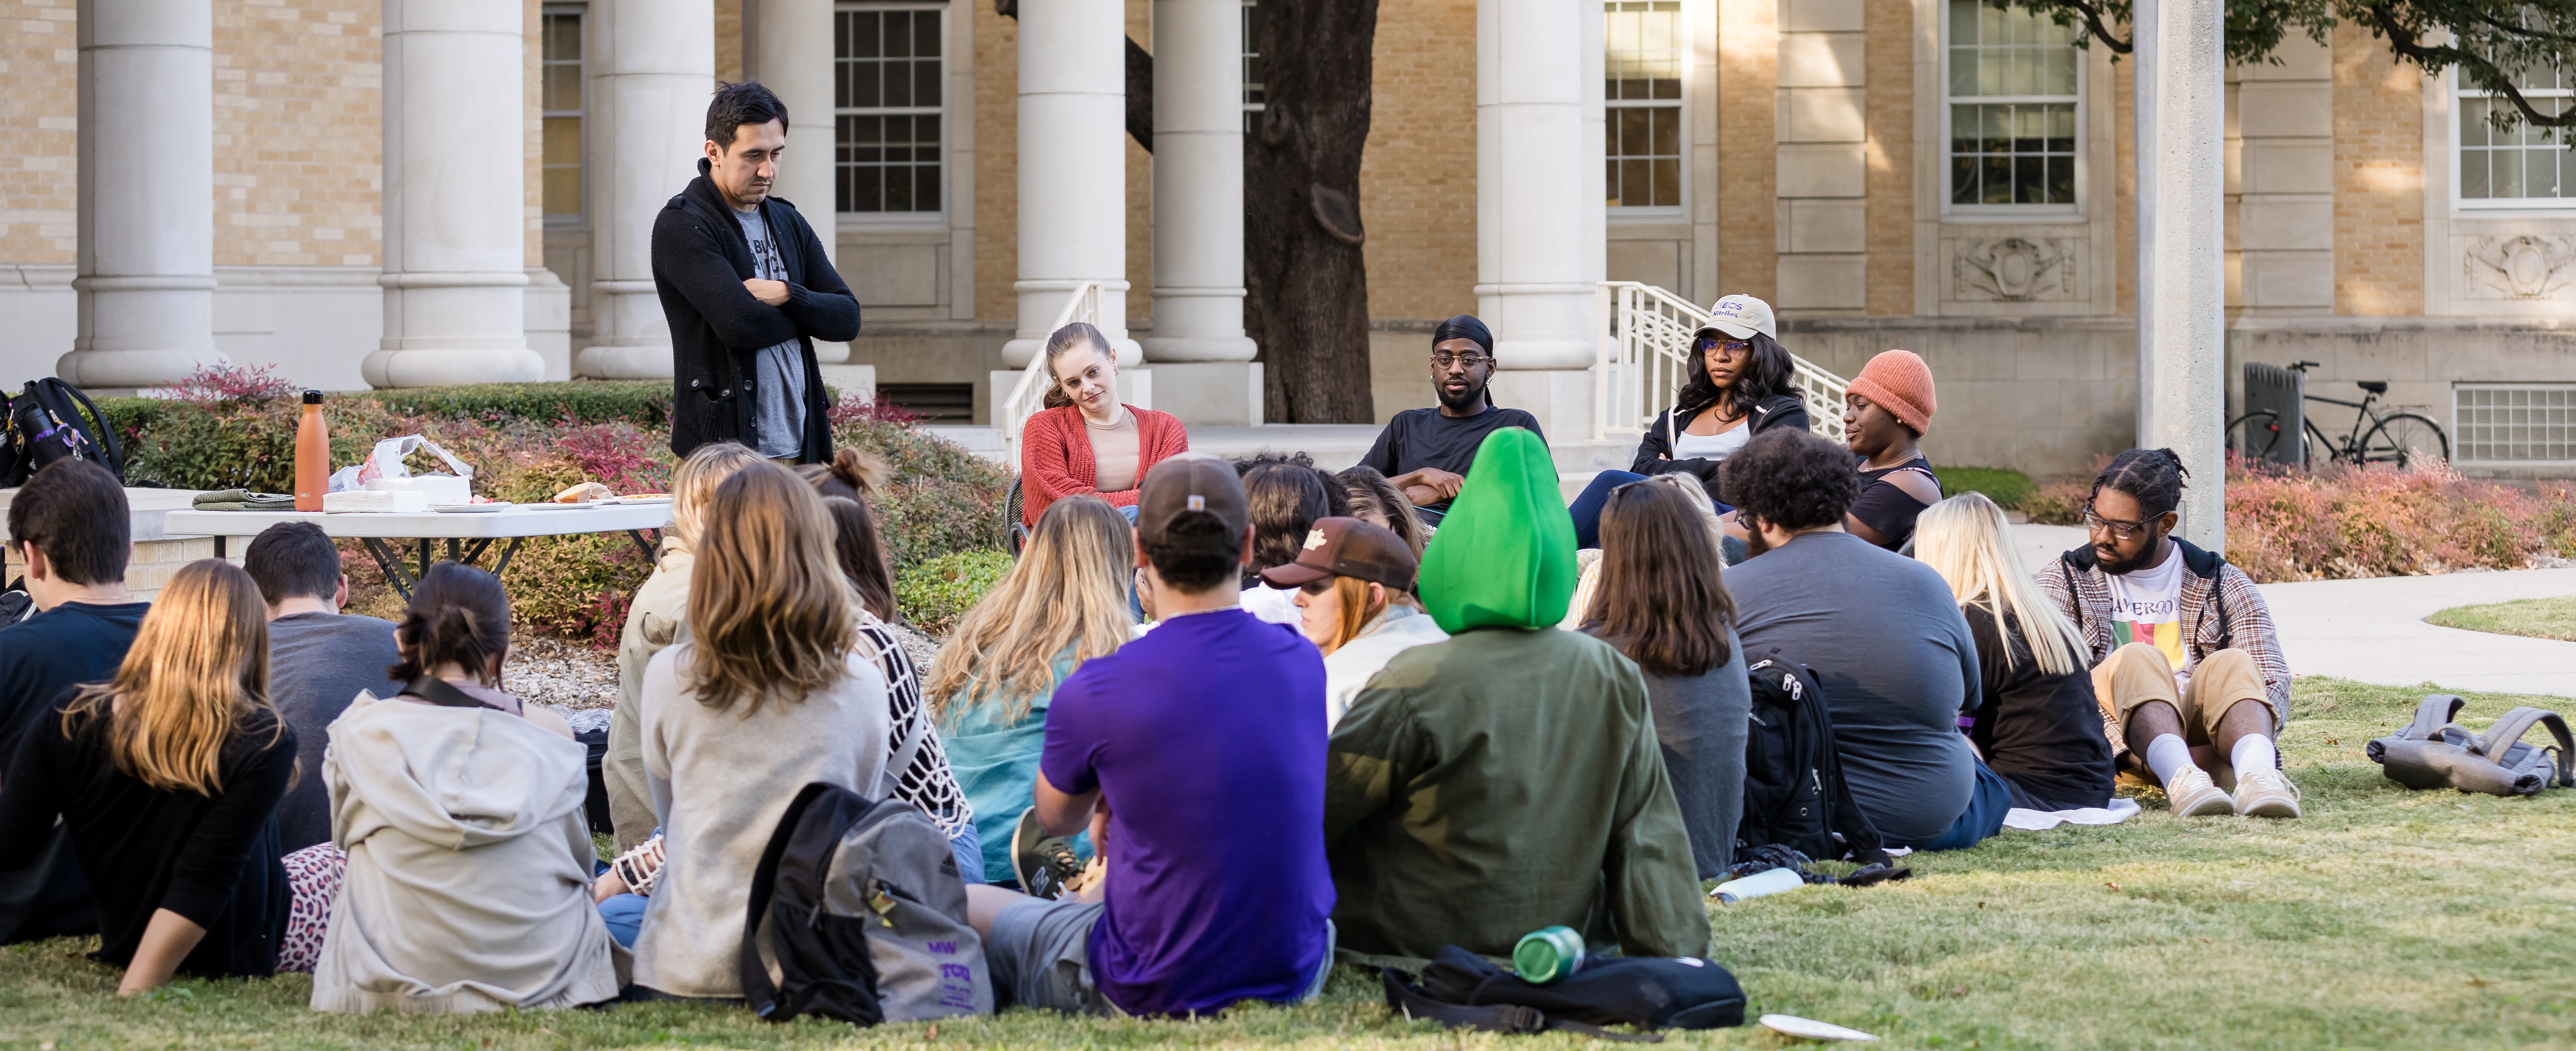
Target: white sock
(2167, 756)
(2252, 752)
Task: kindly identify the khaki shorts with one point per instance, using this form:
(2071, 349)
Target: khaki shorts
(2138, 673)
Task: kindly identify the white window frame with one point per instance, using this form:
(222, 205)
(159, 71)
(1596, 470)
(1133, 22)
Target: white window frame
(2459, 116)
(1682, 41)
(2071, 210)
(580, 219)
(947, 99)
(1243, 32)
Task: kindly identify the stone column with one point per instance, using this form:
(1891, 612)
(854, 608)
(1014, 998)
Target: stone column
(1539, 199)
(1072, 169)
(147, 194)
(791, 53)
(1203, 367)
(2182, 277)
(649, 86)
(455, 274)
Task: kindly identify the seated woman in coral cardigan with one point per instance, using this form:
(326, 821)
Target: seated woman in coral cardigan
(1095, 446)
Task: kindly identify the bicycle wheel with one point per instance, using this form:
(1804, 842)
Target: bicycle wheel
(2254, 435)
(2404, 440)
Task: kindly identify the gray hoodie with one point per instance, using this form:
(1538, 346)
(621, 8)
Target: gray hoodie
(468, 886)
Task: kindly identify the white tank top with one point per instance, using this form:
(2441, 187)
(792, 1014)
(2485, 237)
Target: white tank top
(1719, 446)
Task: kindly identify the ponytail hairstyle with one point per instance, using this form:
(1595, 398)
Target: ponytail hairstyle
(2152, 477)
(196, 675)
(458, 613)
(854, 474)
(1064, 341)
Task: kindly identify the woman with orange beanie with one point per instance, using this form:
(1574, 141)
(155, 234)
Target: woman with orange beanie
(1885, 412)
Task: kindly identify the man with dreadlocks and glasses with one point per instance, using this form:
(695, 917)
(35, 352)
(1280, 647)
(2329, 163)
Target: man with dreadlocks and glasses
(2184, 657)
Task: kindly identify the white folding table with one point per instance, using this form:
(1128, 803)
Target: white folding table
(467, 534)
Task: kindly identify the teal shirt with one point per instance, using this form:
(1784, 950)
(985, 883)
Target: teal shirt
(996, 763)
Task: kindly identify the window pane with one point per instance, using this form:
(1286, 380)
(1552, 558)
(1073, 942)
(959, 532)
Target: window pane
(1610, 179)
(562, 140)
(1963, 21)
(1632, 131)
(925, 83)
(1635, 183)
(1667, 126)
(563, 37)
(867, 34)
(898, 34)
(562, 87)
(2473, 122)
(2540, 172)
(2030, 180)
(1668, 182)
(2061, 180)
(867, 189)
(867, 81)
(925, 34)
(563, 191)
(1963, 180)
(1998, 181)
(2508, 176)
(898, 83)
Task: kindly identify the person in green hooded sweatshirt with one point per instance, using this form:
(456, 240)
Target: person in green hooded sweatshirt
(1506, 779)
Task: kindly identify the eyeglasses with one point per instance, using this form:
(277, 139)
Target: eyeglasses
(2119, 530)
(1443, 361)
(1726, 348)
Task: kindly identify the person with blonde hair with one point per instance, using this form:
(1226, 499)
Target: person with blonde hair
(769, 692)
(458, 809)
(1354, 593)
(2040, 726)
(657, 618)
(166, 778)
(1064, 602)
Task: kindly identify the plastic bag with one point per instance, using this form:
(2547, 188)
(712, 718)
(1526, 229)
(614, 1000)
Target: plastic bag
(386, 461)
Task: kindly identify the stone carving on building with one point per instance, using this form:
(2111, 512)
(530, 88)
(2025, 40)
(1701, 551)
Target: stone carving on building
(2524, 266)
(2015, 269)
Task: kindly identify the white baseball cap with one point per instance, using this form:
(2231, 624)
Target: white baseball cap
(1740, 316)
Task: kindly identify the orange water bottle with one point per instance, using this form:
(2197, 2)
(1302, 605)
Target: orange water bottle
(312, 455)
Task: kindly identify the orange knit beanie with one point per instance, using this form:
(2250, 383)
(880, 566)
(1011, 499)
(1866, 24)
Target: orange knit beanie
(1900, 382)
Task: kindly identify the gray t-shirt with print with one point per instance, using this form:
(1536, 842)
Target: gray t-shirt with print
(778, 373)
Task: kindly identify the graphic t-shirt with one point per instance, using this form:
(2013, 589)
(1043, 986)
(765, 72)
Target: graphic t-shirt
(778, 383)
(1206, 741)
(2146, 606)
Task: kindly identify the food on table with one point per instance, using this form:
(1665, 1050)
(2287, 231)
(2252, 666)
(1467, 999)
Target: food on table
(585, 493)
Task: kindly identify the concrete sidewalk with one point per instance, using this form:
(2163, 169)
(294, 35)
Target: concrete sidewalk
(2374, 631)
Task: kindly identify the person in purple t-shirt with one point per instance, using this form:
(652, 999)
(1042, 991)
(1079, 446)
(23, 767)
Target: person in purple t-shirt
(1181, 773)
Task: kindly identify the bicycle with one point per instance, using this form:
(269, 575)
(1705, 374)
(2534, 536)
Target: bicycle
(2401, 439)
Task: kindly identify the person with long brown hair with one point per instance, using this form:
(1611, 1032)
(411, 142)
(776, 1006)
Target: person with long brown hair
(769, 693)
(1353, 584)
(653, 621)
(1064, 602)
(167, 778)
(1661, 602)
(459, 811)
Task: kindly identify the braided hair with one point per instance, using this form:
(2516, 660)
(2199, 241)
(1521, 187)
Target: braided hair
(2152, 477)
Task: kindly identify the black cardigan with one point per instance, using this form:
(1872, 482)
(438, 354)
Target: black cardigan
(1778, 410)
(700, 260)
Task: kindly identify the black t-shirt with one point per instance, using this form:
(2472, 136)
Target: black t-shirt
(41, 659)
(1419, 438)
(1887, 507)
(2042, 732)
(211, 859)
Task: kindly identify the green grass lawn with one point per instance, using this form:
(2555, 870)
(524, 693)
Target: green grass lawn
(2546, 618)
(2385, 918)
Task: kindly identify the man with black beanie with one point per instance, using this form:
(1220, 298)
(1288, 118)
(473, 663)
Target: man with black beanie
(1426, 452)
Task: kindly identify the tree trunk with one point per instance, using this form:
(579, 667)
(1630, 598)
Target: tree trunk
(1305, 280)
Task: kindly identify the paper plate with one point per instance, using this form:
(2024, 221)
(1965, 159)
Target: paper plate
(553, 506)
(472, 509)
(1811, 1029)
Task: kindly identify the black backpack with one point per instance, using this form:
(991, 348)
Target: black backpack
(858, 907)
(1794, 793)
(1460, 988)
(44, 425)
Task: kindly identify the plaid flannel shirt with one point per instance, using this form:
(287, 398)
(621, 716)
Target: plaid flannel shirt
(2220, 606)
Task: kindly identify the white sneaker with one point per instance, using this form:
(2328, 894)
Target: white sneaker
(2266, 793)
(2192, 794)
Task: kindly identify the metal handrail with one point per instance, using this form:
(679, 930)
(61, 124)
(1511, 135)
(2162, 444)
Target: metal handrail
(1645, 355)
(1028, 396)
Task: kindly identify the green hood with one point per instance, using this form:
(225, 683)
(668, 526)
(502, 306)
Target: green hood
(1504, 557)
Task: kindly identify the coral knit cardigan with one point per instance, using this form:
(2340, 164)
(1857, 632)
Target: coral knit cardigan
(1055, 457)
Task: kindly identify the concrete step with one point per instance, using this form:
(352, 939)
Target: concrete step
(1334, 446)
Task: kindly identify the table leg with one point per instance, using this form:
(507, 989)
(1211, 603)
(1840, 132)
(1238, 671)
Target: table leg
(474, 552)
(451, 549)
(642, 545)
(392, 565)
(426, 547)
(506, 552)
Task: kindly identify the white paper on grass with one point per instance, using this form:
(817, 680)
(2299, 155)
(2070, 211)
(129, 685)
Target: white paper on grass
(1811, 1029)
(386, 461)
(2042, 820)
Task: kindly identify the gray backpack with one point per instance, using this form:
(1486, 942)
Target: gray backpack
(2437, 753)
(857, 913)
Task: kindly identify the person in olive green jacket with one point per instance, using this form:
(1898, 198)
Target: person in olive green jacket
(1508, 778)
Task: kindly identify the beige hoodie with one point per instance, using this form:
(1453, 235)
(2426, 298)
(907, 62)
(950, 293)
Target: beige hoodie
(658, 618)
(468, 886)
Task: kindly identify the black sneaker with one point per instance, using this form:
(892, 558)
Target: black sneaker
(1041, 862)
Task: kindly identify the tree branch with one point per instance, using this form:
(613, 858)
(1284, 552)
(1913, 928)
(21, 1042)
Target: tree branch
(2093, 26)
(2407, 43)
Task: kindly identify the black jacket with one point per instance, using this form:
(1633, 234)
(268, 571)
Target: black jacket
(1778, 410)
(700, 260)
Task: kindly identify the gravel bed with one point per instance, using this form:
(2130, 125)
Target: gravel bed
(568, 675)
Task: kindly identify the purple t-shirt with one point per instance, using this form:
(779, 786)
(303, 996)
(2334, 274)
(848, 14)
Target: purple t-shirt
(1206, 739)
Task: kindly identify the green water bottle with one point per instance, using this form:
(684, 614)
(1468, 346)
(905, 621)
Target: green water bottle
(1547, 954)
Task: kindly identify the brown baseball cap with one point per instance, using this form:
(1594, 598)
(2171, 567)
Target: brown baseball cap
(1186, 482)
(1349, 547)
